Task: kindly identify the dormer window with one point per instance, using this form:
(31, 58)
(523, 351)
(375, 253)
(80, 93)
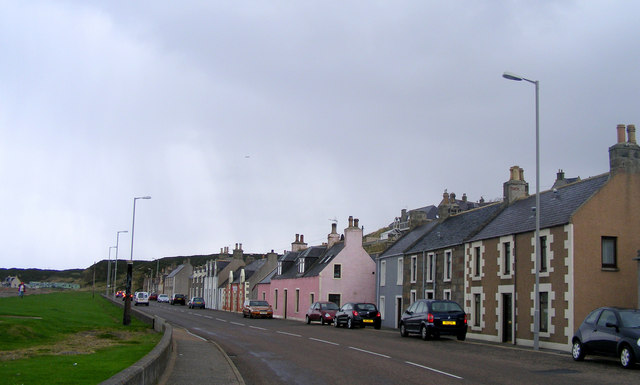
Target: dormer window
(301, 265)
(279, 267)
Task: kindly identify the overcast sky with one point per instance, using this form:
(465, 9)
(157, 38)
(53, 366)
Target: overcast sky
(250, 122)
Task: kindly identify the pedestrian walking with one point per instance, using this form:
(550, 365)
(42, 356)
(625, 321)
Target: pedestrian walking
(21, 289)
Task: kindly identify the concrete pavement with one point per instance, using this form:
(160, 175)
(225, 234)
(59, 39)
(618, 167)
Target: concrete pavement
(195, 360)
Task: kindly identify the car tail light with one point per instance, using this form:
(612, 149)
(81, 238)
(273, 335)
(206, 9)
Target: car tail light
(355, 313)
(465, 318)
(429, 317)
(378, 315)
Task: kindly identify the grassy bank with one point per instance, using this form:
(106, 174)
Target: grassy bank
(67, 338)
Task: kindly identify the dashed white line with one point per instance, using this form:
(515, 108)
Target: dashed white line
(221, 320)
(236, 323)
(324, 341)
(433, 370)
(208, 316)
(256, 327)
(370, 352)
(289, 334)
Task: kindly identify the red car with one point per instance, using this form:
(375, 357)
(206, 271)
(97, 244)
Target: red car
(153, 297)
(324, 312)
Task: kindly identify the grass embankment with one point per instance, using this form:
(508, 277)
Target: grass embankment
(67, 338)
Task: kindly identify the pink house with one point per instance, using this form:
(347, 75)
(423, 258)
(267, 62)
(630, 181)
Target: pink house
(338, 271)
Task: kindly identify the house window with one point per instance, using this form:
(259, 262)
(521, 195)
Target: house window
(476, 310)
(544, 311)
(381, 307)
(337, 271)
(428, 294)
(264, 296)
(506, 249)
(399, 272)
(414, 268)
(275, 299)
(301, 266)
(609, 252)
(446, 294)
(279, 267)
(335, 298)
(413, 296)
(476, 261)
(447, 265)
(543, 254)
(431, 266)
(383, 272)
(297, 300)
(311, 298)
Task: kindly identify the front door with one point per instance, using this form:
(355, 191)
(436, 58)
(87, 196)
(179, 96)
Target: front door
(399, 310)
(507, 320)
(285, 304)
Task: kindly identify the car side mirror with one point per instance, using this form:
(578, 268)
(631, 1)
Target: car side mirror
(612, 325)
(408, 312)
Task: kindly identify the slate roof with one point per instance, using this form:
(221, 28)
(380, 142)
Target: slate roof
(407, 240)
(455, 229)
(175, 271)
(556, 208)
(324, 260)
(222, 264)
(313, 253)
(267, 279)
(250, 269)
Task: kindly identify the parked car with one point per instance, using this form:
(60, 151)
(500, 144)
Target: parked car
(609, 331)
(141, 298)
(196, 302)
(322, 311)
(433, 318)
(178, 299)
(254, 308)
(163, 298)
(357, 314)
(153, 297)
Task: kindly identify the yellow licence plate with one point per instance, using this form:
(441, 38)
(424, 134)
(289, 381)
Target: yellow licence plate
(367, 321)
(448, 322)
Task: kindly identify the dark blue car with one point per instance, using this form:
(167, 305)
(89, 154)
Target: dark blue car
(609, 331)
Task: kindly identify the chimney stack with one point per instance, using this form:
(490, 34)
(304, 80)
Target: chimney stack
(516, 187)
(624, 156)
(333, 237)
(353, 234)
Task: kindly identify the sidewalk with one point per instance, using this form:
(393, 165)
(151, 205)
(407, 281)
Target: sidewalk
(195, 360)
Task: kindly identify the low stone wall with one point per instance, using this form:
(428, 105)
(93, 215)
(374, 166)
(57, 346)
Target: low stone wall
(149, 368)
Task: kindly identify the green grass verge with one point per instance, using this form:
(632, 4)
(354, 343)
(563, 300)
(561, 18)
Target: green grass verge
(67, 338)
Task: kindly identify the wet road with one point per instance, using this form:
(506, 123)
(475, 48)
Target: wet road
(292, 352)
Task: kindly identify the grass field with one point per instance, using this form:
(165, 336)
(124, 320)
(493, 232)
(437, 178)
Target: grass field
(67, 338)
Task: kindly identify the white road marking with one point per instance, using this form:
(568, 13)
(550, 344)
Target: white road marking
(208, 316)
(367, 351)
(326, 342)
(236, 323)
(256, 327)
(197, 336)
(434, 370)
(221, 320)
(289, 334)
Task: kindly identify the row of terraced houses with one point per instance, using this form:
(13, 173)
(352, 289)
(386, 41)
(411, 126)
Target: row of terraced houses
(479, 254)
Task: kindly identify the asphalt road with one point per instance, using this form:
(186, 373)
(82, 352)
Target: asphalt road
(291, 352)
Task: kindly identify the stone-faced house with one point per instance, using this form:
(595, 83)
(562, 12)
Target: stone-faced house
(339, 271)
(434, 265)
(390, 277)
(178, 280)
(588, 239)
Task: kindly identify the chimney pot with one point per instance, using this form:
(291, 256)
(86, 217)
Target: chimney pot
(631, 132)
(334, 228)
(355, 222)
(620, 129)
(297, 238)
(301, 238)
(350, 221)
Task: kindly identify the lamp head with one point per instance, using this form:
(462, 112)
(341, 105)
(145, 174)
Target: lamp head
(512, 76)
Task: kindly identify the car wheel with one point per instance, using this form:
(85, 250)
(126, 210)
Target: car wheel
(403, 331)
(424, 333)
(577, 351)
(461, 336)
(376, 326)
(349, 323)
(308, 320)
(627, 360)
(322, 320)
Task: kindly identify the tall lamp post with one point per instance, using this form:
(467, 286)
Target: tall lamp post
(536, 312)
(127, 303)
(106, 292)
(115, 273)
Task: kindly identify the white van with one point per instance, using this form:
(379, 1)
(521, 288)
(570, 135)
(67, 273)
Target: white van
(141, 298)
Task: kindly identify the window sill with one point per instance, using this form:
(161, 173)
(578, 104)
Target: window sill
(612, 269)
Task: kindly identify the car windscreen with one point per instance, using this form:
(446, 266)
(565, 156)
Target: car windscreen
(445, 307)
(197, 299)
(630, 318)
(365, 306)
(329, 306)
(258, 303)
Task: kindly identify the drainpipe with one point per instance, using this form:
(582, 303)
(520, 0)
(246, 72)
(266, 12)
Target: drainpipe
(515, 294)
(638, 260)
(423, 277)
(435, 273)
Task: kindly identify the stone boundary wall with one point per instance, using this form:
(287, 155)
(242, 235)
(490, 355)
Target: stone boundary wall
(149, 368)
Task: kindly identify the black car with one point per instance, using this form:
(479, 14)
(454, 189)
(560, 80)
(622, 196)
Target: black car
(609, 331)
(358, 314)
(433, 318)
(178, 299)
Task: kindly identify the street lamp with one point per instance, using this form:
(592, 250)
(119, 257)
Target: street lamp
(115, 273)
(106, 291)
(536, 312)
(127, 303)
